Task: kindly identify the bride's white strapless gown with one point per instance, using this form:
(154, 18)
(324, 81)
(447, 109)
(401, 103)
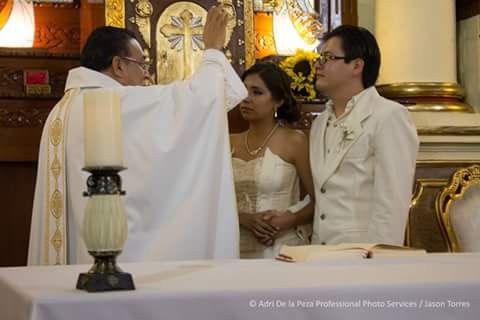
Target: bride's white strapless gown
(265, 183)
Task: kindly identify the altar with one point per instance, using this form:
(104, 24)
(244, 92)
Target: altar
(433, 286)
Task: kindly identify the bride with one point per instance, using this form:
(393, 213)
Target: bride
(270, 162)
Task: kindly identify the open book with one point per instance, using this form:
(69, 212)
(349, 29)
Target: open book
(363, 250)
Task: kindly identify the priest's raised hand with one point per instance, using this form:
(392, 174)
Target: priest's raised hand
(215, 29)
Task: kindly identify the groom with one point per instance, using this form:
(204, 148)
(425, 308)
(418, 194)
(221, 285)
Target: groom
(362, 148)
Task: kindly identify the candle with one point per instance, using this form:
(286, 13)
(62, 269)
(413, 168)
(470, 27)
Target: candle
(102, 128)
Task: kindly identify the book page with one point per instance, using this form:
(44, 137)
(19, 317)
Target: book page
(387, 249)
(362, 250)
(317, 252)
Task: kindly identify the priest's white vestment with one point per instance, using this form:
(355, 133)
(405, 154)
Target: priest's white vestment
(180, 199)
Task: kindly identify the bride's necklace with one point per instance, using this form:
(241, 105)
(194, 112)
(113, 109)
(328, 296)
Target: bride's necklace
(257, 150)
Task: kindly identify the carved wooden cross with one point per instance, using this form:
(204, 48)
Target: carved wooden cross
(185, 33)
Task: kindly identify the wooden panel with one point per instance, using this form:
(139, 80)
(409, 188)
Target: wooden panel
(467, 8)
(13, 64)
(57, 28)
(424, 228)
(16, 191)
(21, 116)
(92, 16)
(21, 121)
(349, 12)
(57, 47)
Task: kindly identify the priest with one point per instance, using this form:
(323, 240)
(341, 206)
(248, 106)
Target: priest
(180, 199)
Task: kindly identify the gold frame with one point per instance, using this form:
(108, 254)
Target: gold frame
(422, 89)
(248, 33)
(420, 185)
(449, 131)
(115, 13)
(452, 92)
(460, 181)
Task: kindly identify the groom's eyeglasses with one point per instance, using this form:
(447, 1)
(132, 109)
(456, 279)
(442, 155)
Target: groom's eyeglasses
(324, 57)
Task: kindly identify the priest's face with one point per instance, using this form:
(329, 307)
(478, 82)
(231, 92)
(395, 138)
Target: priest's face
(259, 104)
(132, 70)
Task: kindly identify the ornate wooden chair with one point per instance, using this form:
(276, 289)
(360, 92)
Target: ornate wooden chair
(458, 210)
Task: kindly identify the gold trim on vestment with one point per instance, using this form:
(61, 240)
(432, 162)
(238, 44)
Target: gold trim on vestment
(56, 185)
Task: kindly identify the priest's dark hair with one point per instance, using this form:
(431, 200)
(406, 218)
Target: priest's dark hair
(358, 42)
(103, 44)
(278, 83)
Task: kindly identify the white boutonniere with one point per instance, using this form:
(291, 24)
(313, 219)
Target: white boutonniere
(347, 136)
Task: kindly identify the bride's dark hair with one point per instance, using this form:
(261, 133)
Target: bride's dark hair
(278, 83)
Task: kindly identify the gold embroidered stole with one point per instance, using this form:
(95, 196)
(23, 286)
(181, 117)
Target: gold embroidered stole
(55, 221)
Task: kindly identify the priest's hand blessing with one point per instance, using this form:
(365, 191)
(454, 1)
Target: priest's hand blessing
(215, 28)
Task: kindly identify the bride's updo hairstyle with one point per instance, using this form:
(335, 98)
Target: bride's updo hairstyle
(278, 83)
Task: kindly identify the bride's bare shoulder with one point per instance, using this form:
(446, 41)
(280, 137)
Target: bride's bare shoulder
(294, 136)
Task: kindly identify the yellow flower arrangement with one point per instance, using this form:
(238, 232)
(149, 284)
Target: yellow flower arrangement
(300, 68)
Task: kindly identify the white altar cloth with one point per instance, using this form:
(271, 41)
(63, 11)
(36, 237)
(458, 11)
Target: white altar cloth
(434, 286)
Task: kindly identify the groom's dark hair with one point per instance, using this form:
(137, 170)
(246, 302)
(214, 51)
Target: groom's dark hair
(103, 44)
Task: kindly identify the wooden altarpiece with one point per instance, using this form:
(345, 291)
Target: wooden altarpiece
(170, 31)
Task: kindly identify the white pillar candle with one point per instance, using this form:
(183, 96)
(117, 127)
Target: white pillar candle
(103, 128)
